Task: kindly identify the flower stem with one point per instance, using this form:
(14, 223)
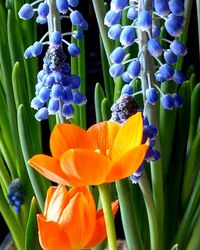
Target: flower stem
(100, 14)
(151, 212)
(128, 214)
(109, 219)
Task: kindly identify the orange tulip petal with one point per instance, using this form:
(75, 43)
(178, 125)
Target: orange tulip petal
(49, 195)
(51, 235)
(104, 133)
(67, 136)
(50, 168)
(129, 136)
(128, 164)
(78, 220)
(100, 229)
(57, 203)
(87, 166)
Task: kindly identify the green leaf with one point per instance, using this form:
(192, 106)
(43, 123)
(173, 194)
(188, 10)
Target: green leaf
(31, 237)
(98, 97)
(37, 181)
(191, 170)
(195, 114)
(167, 128)
(105, 109)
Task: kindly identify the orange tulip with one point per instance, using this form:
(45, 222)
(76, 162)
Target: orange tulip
(70, 220)
(106, 152)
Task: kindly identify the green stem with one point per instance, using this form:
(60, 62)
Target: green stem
(152, 113)
(129, 220)
(151, 212)
(12, 223)
(108, 215)
(100, 14)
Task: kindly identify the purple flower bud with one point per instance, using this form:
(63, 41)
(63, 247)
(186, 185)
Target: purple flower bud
(56, 38)
(161, 7)
(114, 31)
(79, 98)
(155, 30)
(37, 48)
(154, 47)
(132, 13)
(178, 48)
(58, 76)
(118, 5)
(44, 94)
(174, 25)
(116, 70)
(26, 12)
(41, 20)
(156, 155)
(126, 77)
(40, 74)
(176, 7)
(127, 36)
(149, 154)
(67, 111)
(42, 114)
(166, 71)
(28, 52)
(117, 56)
(112, 18)
(74, 50)
(43, 10)
(150, 131)
(62, 6)
(53, 106)
(56, 91)
(159, 78)
(36, 103)
(152, 95)
(144, 20)
(178, 77)
(78, 20)
(170, 57)
(72, 81)
(38, 87)
(67, 96)
(134, 69)
(127, 89)
(49, 81)
(77, 35)
(73, 3)
(178, 100)
(167, 102)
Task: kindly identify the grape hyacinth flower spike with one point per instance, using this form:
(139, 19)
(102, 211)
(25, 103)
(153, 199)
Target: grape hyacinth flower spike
(57, 89)
(144, 31)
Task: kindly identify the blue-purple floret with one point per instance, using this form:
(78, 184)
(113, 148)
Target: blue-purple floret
(16, 195)
(57, 88)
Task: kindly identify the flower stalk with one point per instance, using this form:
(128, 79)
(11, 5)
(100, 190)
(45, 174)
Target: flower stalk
(109, 219)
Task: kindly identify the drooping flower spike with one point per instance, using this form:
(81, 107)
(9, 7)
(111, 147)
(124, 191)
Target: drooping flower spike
(63, 211)
(106, 152)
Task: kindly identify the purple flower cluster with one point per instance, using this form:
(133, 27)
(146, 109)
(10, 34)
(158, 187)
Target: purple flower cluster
(16, 195)
(56, 89)
(171, 12)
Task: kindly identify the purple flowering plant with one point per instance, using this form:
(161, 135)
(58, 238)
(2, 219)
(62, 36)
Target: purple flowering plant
(146, 65)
